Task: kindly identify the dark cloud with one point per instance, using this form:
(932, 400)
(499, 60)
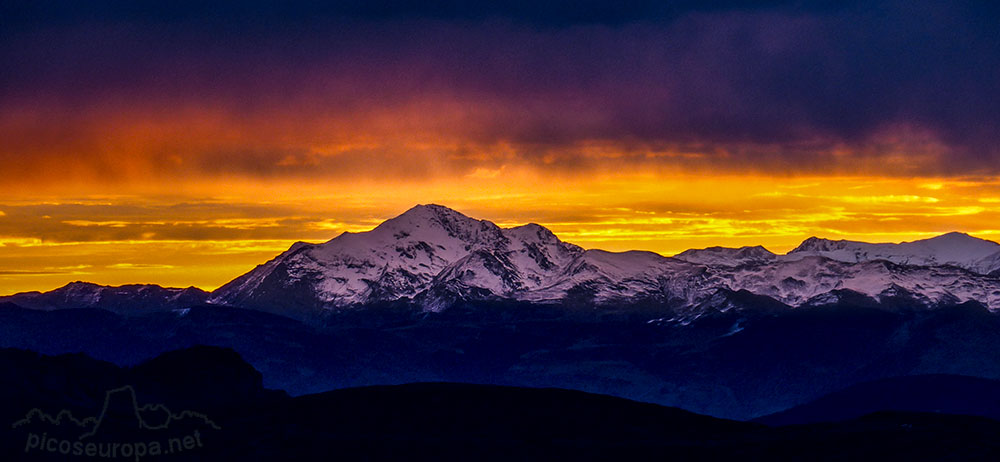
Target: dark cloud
(787, 86)
(248, 12)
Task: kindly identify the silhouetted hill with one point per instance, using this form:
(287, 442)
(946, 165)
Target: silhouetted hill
(939, 393)
(476, 422)
(213, 397)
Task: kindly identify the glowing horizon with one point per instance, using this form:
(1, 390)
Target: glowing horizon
(184, 241)
(184, 143)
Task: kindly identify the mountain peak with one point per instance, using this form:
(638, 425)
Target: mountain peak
(402, 257)
(421, 209)
(955, 236)
(727, 256)
(433, 211)
(453, 222)
(532, 231)
(814, 243)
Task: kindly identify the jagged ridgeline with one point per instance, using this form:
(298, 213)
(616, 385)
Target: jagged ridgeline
(434, 258)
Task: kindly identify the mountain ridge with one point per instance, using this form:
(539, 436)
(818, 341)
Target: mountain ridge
(434, 257)
(954, 248)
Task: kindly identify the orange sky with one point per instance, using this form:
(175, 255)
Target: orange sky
(179, 193)
(184, 143)
(204, 233)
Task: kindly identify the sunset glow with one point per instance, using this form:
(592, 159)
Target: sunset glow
(206, 241)
(185, 151)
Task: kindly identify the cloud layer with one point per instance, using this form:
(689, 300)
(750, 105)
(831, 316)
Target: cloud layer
(108, 92)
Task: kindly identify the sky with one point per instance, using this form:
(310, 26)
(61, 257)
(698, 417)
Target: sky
(182, 143)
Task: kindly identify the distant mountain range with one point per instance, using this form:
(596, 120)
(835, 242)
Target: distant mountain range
(435, 296)
(127, 299)
(434, 257)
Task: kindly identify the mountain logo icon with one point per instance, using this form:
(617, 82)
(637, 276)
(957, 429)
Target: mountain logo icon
(121, 429)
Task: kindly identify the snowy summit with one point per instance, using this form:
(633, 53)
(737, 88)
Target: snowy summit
(435, 256)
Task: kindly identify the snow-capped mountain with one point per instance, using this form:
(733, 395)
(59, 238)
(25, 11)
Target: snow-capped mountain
(436, 256)
(433, 257)
(956, 249)
(818, 280)
(428, 245)
(727, 256)
(125, 299)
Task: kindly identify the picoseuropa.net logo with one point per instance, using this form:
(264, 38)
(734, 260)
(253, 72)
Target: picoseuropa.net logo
(122, 429)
